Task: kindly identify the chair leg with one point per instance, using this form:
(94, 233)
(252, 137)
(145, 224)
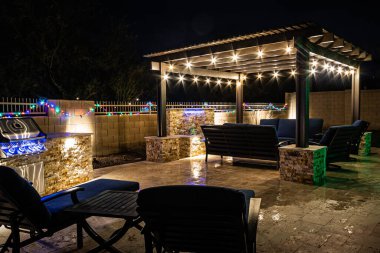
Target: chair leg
(79, 235)
(148, 242)
(6, 245)
(15, 239)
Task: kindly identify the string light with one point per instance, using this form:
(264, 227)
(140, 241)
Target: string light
(352, 71)
(259, 76)
(229, 82)
(314, 63)
(218, 82)
(275, 74)
(313, 71)
(171, 67)
(213, 60)
(340, 70)
(260, 53)
(208, 80)
(195, 79)
(346, 72)
(235, 57)
(326, 66)
(332, 69)
(181, 78)
(288, 49)
(166, 77)
(188, 64)
(293, 72)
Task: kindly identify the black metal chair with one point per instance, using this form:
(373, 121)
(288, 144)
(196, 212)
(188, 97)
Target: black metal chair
(190, 218)
(23, 210)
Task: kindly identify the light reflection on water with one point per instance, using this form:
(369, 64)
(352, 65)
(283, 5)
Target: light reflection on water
(198, 174)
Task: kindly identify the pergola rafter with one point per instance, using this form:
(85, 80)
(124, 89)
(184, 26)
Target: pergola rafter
(288, 48)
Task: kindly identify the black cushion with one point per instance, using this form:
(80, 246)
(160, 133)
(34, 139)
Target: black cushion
(24, 196)
(270, 122)
(315, 126)
(287, 128)
(91, 189)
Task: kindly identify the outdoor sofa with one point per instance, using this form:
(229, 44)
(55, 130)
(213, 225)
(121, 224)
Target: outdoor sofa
(242, 140)
(23, 210)
(286, 128)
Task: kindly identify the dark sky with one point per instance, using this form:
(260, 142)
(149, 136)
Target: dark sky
(168, 24)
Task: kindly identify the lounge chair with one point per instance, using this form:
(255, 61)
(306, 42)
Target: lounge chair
(23, 210)
(190, 218)
(362, 127)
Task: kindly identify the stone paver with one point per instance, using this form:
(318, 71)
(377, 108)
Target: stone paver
(343, 215)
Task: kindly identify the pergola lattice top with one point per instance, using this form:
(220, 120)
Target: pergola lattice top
(265, 51)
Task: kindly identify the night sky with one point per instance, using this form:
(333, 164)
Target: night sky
(164, 25)
(93, 49)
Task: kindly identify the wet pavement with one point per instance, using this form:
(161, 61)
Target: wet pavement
(341, 216)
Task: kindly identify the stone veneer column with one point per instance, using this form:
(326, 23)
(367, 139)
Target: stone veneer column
(303, 165)
(365, 144)
(175, 147)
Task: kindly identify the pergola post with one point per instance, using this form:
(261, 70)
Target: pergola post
(302, 97)
(161, 103)
(239, 99)
(355, 95)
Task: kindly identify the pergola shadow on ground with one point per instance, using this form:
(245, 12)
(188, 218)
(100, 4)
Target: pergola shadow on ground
(303, 50)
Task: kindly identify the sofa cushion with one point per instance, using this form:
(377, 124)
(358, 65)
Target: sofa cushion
(270, 122)
(91, 189)
(287, 128)
(315, 126)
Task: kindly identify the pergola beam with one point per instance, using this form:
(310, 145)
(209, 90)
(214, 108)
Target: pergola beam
(195, 71)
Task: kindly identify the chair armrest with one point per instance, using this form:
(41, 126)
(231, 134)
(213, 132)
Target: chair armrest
(283, 143)
(253, 218)
(72, 191)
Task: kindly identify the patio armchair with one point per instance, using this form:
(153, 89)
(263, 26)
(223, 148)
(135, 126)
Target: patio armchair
(338, 140)
(189, 218)
(23, 210)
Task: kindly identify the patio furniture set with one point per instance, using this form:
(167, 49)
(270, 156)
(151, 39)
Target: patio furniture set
(262, 141)
(176, 218)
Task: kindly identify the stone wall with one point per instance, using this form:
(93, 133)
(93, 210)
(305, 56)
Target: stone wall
(188, 121)
(335, 107)
(67, 161)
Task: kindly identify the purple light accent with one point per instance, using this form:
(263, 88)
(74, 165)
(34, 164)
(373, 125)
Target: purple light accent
(193, 111)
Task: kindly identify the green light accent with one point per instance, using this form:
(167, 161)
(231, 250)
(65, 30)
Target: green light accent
(97, 105)
(92, 109)
(57, 109)
(109, 114)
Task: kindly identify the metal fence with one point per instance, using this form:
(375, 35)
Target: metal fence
(117, 107)
(22, 107)
(37, 107)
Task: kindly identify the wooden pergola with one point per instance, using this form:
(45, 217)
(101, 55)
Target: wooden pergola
(303, 49)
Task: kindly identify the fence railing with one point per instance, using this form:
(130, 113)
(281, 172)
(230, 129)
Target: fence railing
(39, 107)
(21, 107)
(115, 107)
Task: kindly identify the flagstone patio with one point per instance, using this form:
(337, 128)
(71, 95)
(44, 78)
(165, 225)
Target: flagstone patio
(341, 216)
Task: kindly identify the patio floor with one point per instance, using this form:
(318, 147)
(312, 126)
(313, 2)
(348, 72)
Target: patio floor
(341, 216)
